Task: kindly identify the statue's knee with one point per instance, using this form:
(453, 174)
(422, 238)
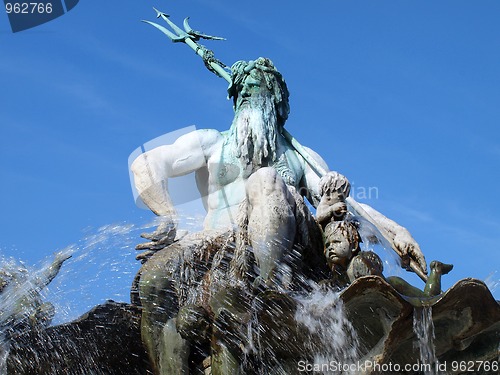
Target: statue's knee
(264, 172)
(260, 178)
(265, 182)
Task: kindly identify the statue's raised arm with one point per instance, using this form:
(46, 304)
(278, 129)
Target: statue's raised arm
(400, 238)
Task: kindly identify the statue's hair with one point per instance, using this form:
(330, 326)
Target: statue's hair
(262, 68)
(347, 229)
(334, 181)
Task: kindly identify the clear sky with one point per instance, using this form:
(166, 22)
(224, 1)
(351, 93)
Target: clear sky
(400, 96)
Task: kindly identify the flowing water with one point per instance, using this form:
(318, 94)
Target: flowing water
(102, 267)
(331, 336)
(423, 326)
(20, 301)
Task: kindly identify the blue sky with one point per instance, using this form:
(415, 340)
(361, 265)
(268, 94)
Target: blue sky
(401, 96)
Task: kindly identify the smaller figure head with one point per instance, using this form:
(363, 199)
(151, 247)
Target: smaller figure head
(334, 187)
(341, 242)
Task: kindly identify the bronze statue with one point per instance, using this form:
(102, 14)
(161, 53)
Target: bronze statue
(260, 242)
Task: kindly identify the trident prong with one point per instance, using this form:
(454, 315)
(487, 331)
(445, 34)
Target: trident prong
(180, 35)
(174, 38)
(190, 37)
(198, 34)
(177, 29)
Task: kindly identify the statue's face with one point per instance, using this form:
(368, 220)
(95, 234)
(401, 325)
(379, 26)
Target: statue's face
(253, 86)
(338, 250)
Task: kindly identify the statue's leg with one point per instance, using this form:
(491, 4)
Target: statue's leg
(167, 350)
(405, 288)
(174, 351)
(271, 221)
(224, 361)
(232, 313)
(433, 284)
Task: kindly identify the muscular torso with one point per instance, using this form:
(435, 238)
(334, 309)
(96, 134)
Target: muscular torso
(227, 176)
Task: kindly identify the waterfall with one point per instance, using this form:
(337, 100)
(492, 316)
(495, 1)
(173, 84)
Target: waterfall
(332, 337)
(423, 326)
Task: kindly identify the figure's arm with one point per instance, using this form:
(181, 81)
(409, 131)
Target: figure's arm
(325, 212)
(400, 237)
(152, 169)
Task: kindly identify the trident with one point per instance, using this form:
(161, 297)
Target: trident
(191, 38)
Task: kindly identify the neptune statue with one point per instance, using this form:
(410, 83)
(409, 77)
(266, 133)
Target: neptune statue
(253, 181)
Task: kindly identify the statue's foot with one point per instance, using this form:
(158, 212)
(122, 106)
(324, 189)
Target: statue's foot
(441, 268)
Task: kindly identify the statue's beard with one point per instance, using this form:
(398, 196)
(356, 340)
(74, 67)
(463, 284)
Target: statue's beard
(254, 130)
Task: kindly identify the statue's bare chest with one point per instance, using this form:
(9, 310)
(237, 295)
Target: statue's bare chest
(225, 168)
